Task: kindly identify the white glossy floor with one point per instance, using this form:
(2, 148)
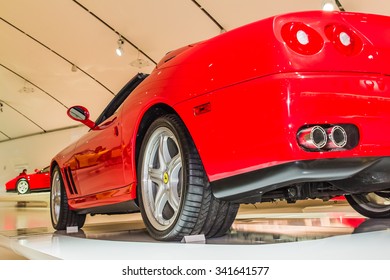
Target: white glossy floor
(308, 230)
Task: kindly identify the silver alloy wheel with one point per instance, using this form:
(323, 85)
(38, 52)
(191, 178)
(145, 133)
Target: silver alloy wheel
(55, 196)
(374, 202)
(22, 186)
(161, 178)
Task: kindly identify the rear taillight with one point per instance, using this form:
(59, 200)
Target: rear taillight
(301, 38)
(343, 39)
(305, 40)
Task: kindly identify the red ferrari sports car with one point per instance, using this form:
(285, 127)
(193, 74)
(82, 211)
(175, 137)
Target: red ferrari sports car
(291, 107)
(24, 183)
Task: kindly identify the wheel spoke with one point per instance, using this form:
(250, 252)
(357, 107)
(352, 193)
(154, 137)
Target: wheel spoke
(174, 168)
(57, 199)
(156, 176)
(377, 200)
(173, 199)
(159, 203)
(163, 152)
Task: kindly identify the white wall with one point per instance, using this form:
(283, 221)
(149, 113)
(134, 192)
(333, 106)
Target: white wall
(33, 152)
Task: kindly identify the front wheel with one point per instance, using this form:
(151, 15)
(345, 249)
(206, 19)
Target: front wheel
(61, 216)
(22, 186)
(174, 193)
(372, 205)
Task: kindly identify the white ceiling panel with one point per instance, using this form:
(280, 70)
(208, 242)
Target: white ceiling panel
(379, 7)
(46, 70)
(156, 26)
(237, 13)
(3, 137)
(75, 35)
(35, 104)
(14, 125)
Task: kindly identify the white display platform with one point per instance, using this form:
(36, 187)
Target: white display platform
(363, 246)
(305, 231)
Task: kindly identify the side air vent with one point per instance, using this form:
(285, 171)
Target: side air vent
(70, 181)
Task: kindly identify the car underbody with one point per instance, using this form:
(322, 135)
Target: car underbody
(298, 180)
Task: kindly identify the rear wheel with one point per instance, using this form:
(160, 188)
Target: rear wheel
(61, 216)
(372, 205)
(22, 186)
(174, 193)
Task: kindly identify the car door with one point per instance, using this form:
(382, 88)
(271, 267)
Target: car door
(41, 179)
(97, 162)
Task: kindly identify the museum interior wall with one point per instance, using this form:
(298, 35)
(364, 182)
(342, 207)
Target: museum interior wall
(33, 152)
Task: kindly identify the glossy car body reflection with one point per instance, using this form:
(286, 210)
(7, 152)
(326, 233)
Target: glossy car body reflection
(287, 108)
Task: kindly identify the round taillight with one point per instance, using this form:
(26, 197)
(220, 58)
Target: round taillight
(301, 38)
(343, 39)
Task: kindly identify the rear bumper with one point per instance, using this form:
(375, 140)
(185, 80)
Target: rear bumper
(352, 175)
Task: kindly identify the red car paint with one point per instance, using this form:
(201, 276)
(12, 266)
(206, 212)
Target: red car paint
(243, 96)
(38, 181)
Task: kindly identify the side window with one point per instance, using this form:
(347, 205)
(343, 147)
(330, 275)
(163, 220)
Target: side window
(110, 110)
(118, 100)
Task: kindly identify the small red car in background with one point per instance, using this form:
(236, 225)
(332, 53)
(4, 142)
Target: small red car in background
(24, 183)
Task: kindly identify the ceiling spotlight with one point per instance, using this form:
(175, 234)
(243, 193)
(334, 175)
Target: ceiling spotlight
(74, 68)
(332, 5)
(119, 50)
(27, 88)
(139, 62)
(328, 6)
(1, 107)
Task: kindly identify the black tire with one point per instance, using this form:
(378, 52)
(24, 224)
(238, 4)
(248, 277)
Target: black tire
(174, 193)
(221, 217)
(372, 205)
(61, 216)
(22, 186)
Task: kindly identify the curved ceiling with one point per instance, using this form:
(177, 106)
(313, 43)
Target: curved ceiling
(55, 54)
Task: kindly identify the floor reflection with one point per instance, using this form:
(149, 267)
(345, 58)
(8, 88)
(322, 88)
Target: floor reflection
(268, 231)
(255, 224)
(371, 225)
(244, 231)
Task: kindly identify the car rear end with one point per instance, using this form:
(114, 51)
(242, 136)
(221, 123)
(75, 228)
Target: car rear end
(292, 88)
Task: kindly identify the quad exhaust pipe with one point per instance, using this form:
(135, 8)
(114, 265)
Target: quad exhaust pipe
(317, 137)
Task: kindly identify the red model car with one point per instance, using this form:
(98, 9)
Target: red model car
(291, 107)
(24, 183)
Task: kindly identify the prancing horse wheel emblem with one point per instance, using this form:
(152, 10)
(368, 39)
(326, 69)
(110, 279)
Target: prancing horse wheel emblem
(166, 178)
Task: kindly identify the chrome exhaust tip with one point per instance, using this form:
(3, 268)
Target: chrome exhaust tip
(312, 137)
(337, 137)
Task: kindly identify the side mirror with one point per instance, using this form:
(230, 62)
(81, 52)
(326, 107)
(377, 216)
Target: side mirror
(80, 114)
(36, 170)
